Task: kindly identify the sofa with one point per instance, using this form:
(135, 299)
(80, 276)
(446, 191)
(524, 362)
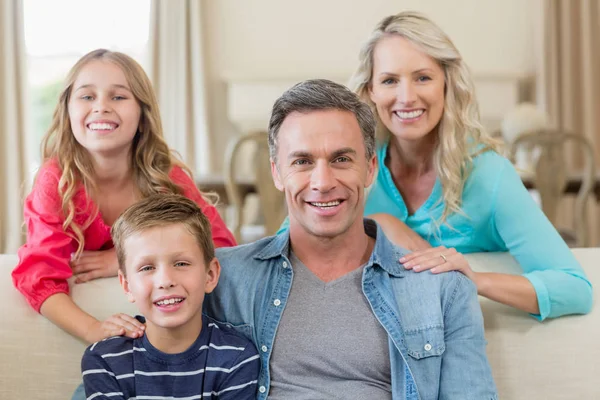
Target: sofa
(554, 359)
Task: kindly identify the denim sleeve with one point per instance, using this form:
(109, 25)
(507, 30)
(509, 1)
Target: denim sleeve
(559, 281)
(284, 225)
(465, 372)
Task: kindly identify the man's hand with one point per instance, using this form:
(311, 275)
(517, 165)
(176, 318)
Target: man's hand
(116, 325)
(95, 264)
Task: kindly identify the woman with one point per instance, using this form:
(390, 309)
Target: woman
(441, 176)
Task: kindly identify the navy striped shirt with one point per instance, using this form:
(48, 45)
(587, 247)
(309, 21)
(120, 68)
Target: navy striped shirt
(220, 364)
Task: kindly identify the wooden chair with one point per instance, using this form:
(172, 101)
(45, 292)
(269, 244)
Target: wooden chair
(550, 177)
(272, 201)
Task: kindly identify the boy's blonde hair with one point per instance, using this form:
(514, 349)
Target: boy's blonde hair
(151, 158)
(158, 211)
(460, 133)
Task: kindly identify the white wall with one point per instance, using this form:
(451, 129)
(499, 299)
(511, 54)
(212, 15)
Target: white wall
(286, 39)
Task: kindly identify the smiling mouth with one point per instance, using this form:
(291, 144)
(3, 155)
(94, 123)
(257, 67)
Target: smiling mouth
(169, 302)
(325, 205)
(409, 114)
(102, 126)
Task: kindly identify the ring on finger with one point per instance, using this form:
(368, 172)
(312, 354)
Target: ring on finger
(444, 258)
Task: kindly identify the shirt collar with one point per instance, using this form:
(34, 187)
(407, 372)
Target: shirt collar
(385, 254)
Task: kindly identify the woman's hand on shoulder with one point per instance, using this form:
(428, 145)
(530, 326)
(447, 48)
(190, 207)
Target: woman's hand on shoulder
(95, 264)
(437, 260)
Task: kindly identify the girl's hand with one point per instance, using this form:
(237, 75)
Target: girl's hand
(95, 264)
(438, 260)
(115, 325)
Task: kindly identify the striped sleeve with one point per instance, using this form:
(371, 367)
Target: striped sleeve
(99, 380)
(239, 382)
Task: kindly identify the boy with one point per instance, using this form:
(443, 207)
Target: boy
(166, 265)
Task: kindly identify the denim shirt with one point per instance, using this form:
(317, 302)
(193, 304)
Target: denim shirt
(434, 322)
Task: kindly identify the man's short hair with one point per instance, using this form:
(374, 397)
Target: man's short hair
(317, 95)
(161, 210)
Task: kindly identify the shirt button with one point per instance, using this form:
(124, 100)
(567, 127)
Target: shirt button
(277, 302)
(262, 389)
(285, 264)
(264, 348)
(427, 347)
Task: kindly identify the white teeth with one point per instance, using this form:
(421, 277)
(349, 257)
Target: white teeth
(101, 126)
(169, 301)
(328, 204)
(410, 114)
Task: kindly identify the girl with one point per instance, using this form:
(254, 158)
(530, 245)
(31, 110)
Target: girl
(103, 152)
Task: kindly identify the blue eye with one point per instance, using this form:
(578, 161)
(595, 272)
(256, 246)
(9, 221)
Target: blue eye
(146, 268)
(119, 98)
(181, 264)
(388, 81)
(86, 97)
(424, 78)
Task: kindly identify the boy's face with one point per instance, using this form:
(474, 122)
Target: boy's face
(167, 277)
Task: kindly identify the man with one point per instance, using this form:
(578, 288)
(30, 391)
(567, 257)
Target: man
(331, 310)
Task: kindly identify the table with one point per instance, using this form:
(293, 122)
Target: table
(573, 185)
(216, 183)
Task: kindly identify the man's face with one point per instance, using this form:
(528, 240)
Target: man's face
(323, 171)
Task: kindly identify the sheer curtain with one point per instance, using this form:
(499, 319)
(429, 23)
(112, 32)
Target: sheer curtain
(12, 124)
(569, 72)
(569, 75)
(177, 72)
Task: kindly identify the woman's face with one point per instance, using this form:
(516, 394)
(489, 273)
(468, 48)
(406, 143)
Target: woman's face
(407, 88)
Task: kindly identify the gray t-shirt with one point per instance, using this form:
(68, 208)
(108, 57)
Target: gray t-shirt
(329, 344)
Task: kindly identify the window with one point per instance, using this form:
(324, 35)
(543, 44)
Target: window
(57, 34)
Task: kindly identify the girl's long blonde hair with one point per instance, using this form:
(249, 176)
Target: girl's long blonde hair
(151, 158)
(460, 133)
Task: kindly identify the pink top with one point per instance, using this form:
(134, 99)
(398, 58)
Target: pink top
(44, 261)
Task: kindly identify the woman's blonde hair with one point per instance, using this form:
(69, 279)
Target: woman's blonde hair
(460, 133)
(151, 158)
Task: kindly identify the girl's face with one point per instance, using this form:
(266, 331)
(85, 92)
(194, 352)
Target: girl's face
(407, 88)
(103, 112)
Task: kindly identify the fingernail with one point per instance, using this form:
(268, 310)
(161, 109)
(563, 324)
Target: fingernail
(408, 264)
(72, 256)
(402, 259)
(433, 270)
(416, 267)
